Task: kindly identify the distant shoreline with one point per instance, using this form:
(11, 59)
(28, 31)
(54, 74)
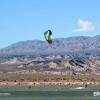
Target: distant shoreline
(53, 83)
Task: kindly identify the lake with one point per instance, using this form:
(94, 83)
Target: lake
(50, 93)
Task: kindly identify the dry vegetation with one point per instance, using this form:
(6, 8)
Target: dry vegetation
(14, 77)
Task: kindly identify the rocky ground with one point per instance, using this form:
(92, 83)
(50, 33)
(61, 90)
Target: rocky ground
(54, 64)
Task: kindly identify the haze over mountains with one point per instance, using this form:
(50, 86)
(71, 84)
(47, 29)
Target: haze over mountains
(60, 45)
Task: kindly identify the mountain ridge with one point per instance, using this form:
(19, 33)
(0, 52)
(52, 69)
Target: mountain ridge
(60, 45)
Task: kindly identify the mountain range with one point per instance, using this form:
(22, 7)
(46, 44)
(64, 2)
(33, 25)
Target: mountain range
(59, 46)
(74, 54)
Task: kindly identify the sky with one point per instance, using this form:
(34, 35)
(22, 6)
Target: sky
(22, 20)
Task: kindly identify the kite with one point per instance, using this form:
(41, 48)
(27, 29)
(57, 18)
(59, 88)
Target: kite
(47, 35)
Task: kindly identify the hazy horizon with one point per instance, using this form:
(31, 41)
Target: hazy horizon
(45, 41)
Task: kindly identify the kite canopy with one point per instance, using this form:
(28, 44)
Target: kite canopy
(47, 35)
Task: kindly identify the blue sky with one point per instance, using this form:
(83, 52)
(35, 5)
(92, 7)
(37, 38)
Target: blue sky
(27, 19)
